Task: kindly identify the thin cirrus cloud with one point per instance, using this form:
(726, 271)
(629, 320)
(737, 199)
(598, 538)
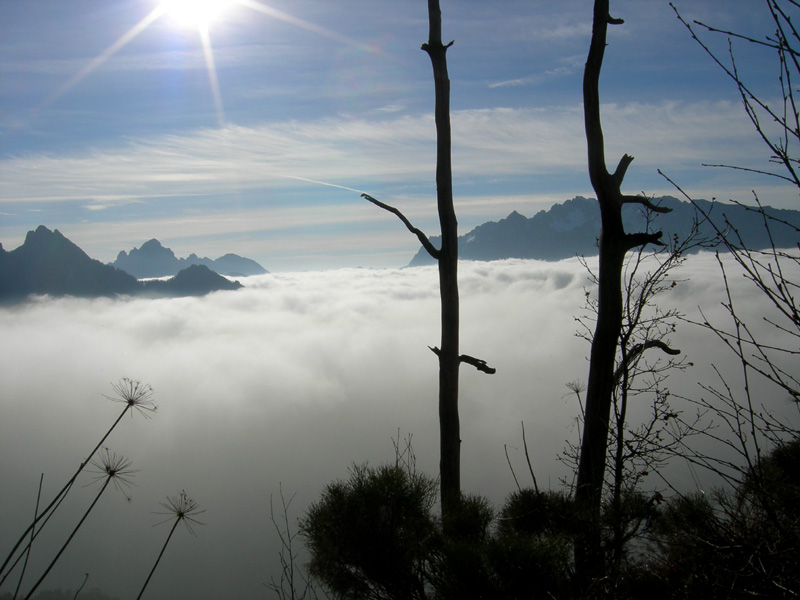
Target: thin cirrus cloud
(257, 178)
(281, 386)
(349, 151)
(239, 56)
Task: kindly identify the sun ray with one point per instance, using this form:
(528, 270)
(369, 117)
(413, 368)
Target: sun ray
(204, 14)
(120, 43)
(297, 22)
(213, 81)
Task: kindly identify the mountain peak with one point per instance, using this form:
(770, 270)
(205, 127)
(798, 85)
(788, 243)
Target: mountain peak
(194, 280)
(49, 263)
(44, 244)
(40, 234)
(571, 228)
(153, 247)
(153, 260)
(152, 244)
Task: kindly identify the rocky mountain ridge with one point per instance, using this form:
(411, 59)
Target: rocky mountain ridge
(48, 263)
(571, 228)
(152, 259)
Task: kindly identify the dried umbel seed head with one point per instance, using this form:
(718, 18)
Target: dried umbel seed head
(115, 467)
(135, 394)
(182, 508)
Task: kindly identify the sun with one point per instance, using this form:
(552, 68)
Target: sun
(197, 14)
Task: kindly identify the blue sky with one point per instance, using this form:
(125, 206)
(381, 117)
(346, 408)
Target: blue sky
(115, 143)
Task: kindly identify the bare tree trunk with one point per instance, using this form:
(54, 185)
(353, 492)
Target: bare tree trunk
(447, 259)
(613, 245)
(450, 437)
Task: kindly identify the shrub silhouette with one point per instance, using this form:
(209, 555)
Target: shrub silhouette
(370, 536)
(741, 543)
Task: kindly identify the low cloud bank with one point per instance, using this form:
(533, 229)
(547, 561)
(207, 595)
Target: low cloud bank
(282, 386)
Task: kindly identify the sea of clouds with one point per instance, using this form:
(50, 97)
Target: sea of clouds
(281, 387)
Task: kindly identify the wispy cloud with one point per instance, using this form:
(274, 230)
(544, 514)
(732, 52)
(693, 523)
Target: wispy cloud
(354, 152)
(186, 59)
(581, 30)
(535, 79)
(291, 174)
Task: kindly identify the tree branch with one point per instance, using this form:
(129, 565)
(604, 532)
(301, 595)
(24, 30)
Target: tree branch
(477, 363)
(749, 170)
(646, 203)
(632, 240)
(639, 349)
(426, 243)
(622, 168)
(470, 360)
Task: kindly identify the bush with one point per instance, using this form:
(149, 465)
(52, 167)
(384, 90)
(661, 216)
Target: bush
(744, 544)
(371, 536)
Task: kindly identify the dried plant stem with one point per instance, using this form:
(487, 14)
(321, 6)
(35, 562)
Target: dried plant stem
(28, 550)
(54, 504)
(160, 554)
(69, 539)
(183, 509)
(78, 591)
(132, 394)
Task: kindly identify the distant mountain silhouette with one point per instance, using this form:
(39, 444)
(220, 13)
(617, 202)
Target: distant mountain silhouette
(48, 263)
(571, 229)
(154, 260)
(194, 280)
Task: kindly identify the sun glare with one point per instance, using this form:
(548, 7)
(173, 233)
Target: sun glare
(199, 15)
(195, 13)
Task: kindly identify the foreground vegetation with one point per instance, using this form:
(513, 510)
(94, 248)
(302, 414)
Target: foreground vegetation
(377, 535)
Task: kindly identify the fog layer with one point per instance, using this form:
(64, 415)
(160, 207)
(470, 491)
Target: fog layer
(282, 386)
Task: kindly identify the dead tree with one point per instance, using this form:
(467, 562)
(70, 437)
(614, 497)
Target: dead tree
(644, 361)
(447, 258)
(613, 245)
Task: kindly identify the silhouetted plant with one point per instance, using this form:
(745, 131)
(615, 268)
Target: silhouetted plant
(730, 544)
(533, 554)
(614, 242)
(773, 271)
(111, 468)
(83, 584)
(30, 543)
(136, 396)
(369, 536)
(447, 260)
(531, 513)
(374, 536)
(292, 584)
(182, 509)
(637, 450)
